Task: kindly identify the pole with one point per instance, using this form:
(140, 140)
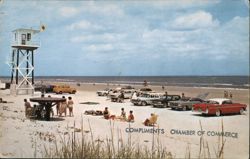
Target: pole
(12, 62)
(32, 62)
(17, 63)
(27, 66)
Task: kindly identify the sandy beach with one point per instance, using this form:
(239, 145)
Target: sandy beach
(22, 137)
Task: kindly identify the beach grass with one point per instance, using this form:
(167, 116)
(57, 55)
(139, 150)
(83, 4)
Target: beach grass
(85, 146)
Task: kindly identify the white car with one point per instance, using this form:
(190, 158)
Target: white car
(104, 92)
(126, 92)
(146, 99)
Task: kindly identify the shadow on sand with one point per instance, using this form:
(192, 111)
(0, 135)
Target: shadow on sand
(214, 116)
(51, 119)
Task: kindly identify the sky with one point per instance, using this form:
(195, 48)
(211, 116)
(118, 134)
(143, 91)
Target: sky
(131, 38)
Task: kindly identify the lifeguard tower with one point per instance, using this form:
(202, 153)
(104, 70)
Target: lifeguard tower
(24, 44)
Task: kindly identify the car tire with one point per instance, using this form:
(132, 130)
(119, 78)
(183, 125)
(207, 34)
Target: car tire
(184, 108)
(143, 103)
(218, 113)
(241, 111)
(165, 105)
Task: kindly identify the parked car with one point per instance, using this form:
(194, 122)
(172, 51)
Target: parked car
(219, 106)
(114, 96)
(104, 92)
(146, 99)
(145, 90)
(164, 102)
(128, 87)
(185, 104)
(44, 88)
(64, 89)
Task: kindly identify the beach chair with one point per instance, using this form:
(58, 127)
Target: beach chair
(153, 120)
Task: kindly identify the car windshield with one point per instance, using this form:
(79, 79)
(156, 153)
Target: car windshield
(227, 102)
(167, 97)
(145, 89)
(195, 99)
(212, 102)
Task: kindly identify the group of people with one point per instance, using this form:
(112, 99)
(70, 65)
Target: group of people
(122, 117)
(61, 108)
(228, 94)
(36, 110)
(148, 122)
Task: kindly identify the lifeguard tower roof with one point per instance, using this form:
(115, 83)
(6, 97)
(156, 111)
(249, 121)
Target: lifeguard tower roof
(24, 38)
(25, 29)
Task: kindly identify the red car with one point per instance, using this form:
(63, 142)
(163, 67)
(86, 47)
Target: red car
(219, 106)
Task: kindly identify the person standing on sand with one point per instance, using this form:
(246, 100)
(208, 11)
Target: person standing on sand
(28, 108)
(57, 108)
(182, 95)
(131, 117)
(121, 97)
(70, 106)
(230, 95)
(166, 93)
(63, 107)
(225, 94)
(134, 96)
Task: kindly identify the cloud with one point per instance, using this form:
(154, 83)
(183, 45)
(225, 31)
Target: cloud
(84, 25)
(105, 37)
(104, 9)
(68, 11)
(199, 19)
(98, 48)
(184, 3)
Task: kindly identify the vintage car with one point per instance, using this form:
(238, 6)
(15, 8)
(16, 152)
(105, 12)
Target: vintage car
(145, 90)
(219, 106)
(44, 88)
(114, 96)
(104, 92)
(185, 104)
(164, 102)
(64, 89)
(146, 99)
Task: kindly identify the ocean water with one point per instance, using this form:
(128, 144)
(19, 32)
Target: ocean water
(195, 81)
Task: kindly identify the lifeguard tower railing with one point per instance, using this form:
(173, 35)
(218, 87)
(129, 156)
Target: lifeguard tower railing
(36, 43)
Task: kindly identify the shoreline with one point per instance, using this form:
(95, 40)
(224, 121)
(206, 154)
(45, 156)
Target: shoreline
(138, 81)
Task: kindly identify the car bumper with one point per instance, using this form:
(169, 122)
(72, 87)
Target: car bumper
(158, 105)
(199, 110)
(175, 107)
